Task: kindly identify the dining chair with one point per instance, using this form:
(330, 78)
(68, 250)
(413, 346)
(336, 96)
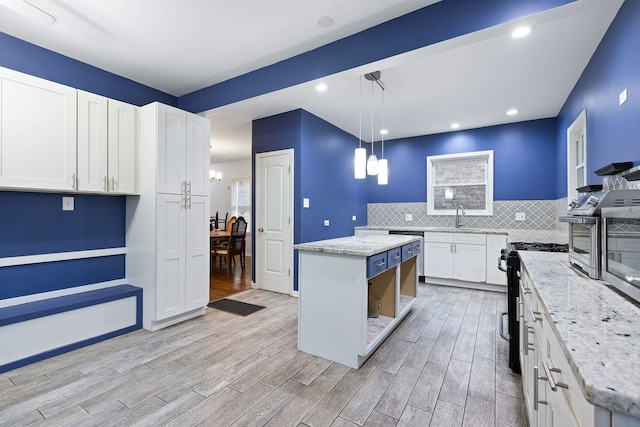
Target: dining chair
(234, 246)
(226, 221)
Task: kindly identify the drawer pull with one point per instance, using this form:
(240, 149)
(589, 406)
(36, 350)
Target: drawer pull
(535, 389)
(535, 315)
(380, 263)
(396, 257)
(553, 385)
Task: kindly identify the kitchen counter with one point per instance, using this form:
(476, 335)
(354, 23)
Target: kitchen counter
(356, 245)
(435, 229)
(598, 329)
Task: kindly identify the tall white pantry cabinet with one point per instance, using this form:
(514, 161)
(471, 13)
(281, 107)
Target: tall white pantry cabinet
(168, 224)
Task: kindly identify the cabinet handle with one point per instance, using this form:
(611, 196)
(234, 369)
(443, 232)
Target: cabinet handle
(189, 201)
(520, 309)
(74, 182)
(535, 389)
(553, 385)
(104, 184)
(189, 188)
(396, 257)
(183, 203)
(380, 263)
(183, 187)
(525, 338)
(535, 315)
(113, 183)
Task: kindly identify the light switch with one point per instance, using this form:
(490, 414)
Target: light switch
(353, 218)
(326, 222)
(622, 98)
(67, 203)
(305, 202)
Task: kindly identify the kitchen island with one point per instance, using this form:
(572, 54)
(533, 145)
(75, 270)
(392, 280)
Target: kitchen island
(590, 335)
(338, 277)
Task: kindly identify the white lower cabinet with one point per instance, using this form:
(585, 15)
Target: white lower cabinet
(459, 256)
(183, 255)
(551, 392)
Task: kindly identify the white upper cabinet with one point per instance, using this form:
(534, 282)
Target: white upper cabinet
(37, 133)
(106, 145)
(123, 147)
(183, 152)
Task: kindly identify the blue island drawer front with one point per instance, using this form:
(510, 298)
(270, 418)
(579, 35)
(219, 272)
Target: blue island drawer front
(417, 247)
(408, 251)
(394, 256)
(376, 264)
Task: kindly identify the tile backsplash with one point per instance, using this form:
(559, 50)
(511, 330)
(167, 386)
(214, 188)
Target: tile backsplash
(540, 224)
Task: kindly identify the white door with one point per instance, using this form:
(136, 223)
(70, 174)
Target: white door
(197, 252)
(438, 260)
(37, 133)
(92, 142)
(170, 288)
(274, 221)
(172, 136)
(198, 155)
(123, 160)
(470, 263)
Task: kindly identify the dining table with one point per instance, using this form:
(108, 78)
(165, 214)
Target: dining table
(219, 235)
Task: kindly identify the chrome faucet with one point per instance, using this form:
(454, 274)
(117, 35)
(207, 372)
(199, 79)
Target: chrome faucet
(458, 216)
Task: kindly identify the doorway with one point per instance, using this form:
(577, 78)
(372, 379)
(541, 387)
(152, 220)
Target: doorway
(274, 221)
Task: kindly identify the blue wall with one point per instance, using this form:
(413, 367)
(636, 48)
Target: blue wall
(28, 58)
(524, 161)
(612, 130)
(323, 172)
(34, 223)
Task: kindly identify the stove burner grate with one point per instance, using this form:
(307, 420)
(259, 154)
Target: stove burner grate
(536, 246)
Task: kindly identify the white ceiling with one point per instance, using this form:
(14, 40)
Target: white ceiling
(179, 47)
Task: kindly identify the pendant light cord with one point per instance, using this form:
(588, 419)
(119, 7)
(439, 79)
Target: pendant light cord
(382, 130)
(372, 152)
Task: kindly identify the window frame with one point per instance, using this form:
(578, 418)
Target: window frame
(486, 155)
(234, 206)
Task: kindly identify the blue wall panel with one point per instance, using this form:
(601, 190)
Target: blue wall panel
(612, 130)
(327, 180)
(34, 223)
(25, 57)
(31, 279)
(524, 161)
(427, 26)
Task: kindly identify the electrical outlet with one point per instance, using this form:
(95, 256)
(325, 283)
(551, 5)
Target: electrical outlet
(353, 218)
(67, 203)
(408, 217)
(305, 202)
(622, 98)
(520, 216)
(326, 222)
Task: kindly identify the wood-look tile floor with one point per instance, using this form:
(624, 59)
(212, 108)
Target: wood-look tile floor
(445, 365)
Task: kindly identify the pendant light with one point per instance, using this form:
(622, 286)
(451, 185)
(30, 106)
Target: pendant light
(383, 167)
(360, 157)
(372, 162)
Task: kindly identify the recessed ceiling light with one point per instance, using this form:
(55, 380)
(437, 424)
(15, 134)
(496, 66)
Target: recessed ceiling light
(325, 21)
(455, 125)
(321, 87)
(521, 32)
(383, 131)
(512, 112)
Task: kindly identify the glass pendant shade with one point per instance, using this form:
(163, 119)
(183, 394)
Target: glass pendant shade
(383, 172)
(360, 163)
(372, 165)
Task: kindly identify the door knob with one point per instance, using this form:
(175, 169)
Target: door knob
(261, 229)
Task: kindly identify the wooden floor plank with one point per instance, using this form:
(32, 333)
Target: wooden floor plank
(444, 365)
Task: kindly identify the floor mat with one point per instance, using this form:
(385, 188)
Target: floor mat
(235, 307)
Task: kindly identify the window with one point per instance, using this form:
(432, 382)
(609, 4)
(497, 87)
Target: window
(241, 199)
(464, 179)
(577, 155)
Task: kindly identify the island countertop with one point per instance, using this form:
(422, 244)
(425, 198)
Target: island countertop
(598, 330)
(356, 245)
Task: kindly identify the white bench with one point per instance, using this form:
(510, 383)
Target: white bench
(41, 329)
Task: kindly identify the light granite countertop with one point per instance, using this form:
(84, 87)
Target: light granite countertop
(435, 229)
(598, 328)
(356, 245)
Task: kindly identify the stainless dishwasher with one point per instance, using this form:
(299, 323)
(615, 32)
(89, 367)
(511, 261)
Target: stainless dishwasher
(421, 256)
